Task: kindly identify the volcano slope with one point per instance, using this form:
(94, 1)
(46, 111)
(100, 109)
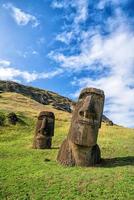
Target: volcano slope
(30, 174)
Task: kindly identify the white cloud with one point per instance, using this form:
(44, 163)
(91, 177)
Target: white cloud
(4, 63)
(56, 4)
(112, 53)
(10, 73)
(51, 74)
(35, 52)
(119, 97)
(103, 3)
(116, 54)
(78, 17)
(21, 18)
(29, 52)
(7, 72)
(65, 37)
(115, 50)
(82, 11)
(61, 4)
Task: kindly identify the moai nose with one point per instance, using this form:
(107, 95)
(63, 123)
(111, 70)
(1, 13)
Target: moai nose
(91, 104)
(87, 110)
(88, 106)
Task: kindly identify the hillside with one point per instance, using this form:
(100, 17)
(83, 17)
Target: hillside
(44, 97)
(32, 174)
(18, 103)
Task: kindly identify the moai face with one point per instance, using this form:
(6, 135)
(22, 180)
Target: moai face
(87, 116)
(44, 130)
(45, 124)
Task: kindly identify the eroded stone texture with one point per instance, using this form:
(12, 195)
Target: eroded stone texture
(44, 130)
(80, 148)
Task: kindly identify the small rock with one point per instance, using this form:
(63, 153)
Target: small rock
(12, 118)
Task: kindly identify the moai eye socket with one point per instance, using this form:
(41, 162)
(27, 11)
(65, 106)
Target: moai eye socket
(81, 113)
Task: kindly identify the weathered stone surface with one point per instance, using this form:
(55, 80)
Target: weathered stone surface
(80, 148)
(44, 130)
(63, 107)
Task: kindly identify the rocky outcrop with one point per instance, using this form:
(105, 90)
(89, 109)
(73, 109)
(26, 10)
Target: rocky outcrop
(107, 121)
(43, 96)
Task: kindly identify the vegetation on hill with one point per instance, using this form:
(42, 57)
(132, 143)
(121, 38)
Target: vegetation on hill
(29, 174)
(42, 96)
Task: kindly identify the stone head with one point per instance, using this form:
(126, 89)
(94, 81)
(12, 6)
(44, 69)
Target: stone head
(87, 117)
(45, 123)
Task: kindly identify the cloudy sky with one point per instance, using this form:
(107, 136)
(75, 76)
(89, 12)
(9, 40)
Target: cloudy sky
(66, 45)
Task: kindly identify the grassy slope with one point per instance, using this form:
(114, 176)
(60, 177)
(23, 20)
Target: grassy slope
(26, 175)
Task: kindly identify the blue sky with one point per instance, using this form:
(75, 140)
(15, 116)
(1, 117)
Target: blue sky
(65, 46)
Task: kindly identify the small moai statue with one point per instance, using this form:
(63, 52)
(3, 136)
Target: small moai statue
(44, 130)
(80, 148)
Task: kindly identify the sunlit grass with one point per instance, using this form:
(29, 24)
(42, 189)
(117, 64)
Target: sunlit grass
(26, 173)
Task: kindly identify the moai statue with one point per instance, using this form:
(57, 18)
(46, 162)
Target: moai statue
(80, 147)
(44, 130)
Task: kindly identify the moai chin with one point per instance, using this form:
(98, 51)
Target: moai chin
(44, 130)
(80, 147)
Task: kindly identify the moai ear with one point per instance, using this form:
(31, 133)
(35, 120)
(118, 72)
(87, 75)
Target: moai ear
(102, 106)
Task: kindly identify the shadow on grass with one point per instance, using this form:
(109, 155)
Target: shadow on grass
(22, 122)
(117, 162)
(55, 147)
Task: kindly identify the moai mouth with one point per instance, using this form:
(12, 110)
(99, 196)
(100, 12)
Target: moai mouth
(85, 124)
(87, 117)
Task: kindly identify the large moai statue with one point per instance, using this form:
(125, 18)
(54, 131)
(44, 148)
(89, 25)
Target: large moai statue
(44, 130)
(80, 147)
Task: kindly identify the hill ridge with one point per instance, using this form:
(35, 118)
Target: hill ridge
(42, 96)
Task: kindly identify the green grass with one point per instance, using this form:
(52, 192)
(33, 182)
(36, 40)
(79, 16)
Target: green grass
(25, 173)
